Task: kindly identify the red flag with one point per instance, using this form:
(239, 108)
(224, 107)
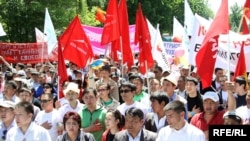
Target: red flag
(77, 47)
(241, 65)
(206, 56)
(111, 26)
(62, 73)
(245, 29)
(100, 15)
(247, 9)
(142, 36)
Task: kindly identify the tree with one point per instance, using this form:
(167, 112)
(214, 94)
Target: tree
(235, 17)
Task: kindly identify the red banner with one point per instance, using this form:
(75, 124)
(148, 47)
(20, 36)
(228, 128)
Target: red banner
(24, 52)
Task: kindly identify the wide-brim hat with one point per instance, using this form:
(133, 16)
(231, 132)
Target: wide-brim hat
(71, 87)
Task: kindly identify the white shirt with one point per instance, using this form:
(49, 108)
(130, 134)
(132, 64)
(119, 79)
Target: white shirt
(123, 108)
(66, 108)
(187, 133)
(33, 133)
(137, 138)
(159, 123)
(2, 127)
(52, 117)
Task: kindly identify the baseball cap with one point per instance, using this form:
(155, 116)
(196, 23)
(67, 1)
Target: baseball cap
(7, 104)
(211, 95)
(233, 115)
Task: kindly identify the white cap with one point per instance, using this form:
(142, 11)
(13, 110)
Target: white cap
(71, 87)
(171, 78)
(211, 95)
(7, 104)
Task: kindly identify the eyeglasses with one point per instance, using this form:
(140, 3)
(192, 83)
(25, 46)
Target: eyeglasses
(4, 134)
(101, 90)
(45, 101)
(125, 91)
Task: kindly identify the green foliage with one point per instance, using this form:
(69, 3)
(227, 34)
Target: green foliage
(235, 17)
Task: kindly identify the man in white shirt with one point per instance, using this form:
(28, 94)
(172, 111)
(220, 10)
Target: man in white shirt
(71, 93)
(7, 116)
(26, 129)
(48, 117)
(178, 129)
(127, 91)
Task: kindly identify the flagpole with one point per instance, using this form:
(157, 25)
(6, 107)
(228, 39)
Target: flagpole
(121, 56)
(228, 56)
(147, 76)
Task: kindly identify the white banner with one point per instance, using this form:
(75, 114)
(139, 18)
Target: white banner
(201, 25)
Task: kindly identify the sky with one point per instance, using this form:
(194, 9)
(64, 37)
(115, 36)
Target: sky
(215, 4)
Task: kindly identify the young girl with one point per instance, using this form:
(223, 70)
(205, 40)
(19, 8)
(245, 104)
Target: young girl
(114, 123)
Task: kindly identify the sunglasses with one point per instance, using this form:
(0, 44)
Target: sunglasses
(45, 101)
(101, 90)
(125, 91)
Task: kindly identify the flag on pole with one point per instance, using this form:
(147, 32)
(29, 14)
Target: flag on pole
(111, 30)
(206, 56)
(126, 51)
(77, 47)
(49, 31)
(40, 37)
(246, 10)
(158, 51)
(62, 73)
(241, 65)
(142, 36)
(2, 32)
(177, 28)
(188, 18)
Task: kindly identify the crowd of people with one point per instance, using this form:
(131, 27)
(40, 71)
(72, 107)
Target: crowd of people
(115, 102)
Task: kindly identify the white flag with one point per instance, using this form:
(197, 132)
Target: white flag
(2, 33)
(49, 31)
(177, 28)
(158, 50)
(40, 37)
(188, 18)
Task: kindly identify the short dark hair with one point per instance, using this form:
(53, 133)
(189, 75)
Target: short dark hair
(104, 84)
(158, 68)
(176, 106)
(217, 69)
(240, 80)
(135, 112)
(160, 97)
(129, 85)
(87, 91)
(192, 79)
(106, 68)
(72, 115)
(28, 107)
(117, 114)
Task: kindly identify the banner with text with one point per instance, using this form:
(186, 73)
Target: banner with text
(201, 25)
(24, 52)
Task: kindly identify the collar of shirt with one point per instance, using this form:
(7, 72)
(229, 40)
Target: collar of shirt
(172, 98)
(137, 137)
(159, 123)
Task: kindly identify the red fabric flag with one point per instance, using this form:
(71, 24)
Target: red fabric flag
(124, 29)
(247, 9)
(142, 36)
(111, 26)
(206, 56)
(100, 15)
(245, 29)
(77, 47)
(62, 73)
(241, 65)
